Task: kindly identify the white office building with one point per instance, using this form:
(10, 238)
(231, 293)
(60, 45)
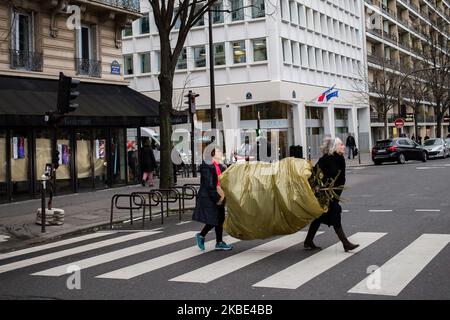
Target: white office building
(276, 56)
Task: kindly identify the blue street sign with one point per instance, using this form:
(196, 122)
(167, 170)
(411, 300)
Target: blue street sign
(115, 67)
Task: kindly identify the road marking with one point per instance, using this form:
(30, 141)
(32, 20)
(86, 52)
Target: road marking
(162, 261)
(115, 255)
(425, 168)
(238, 261)
(300, 273)
(376, 210)
(405, 266)
(183, 222)
(427, 210)
(344, 210)
(72, 251)
(4, 238)
(54, 244)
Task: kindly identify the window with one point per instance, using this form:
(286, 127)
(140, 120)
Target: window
(239, 54)
(23, 32)
(200, 57)
(237, 10)
(219, 54)
(258, 9)
(145, 62)
(127, 31)
(157, 62)
(217, 14)
(145, 24)
(178, 22)
(128, 64)
(182, 60)
(259, 50)
(87, 53)
(201, 21)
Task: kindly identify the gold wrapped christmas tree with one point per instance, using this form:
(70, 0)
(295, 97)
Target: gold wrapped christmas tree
(269, 199)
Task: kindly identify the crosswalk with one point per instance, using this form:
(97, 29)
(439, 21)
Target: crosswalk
(399, 271)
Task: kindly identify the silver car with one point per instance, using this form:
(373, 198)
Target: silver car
(437, 148)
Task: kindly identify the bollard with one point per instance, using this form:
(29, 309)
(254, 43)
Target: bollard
(43, 210)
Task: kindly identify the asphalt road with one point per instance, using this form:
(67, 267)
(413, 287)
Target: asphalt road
(400, 214)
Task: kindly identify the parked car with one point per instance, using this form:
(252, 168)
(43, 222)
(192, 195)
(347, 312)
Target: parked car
(398, 149)
(436, 148)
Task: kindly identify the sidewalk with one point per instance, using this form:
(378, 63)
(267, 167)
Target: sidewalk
(83, 211)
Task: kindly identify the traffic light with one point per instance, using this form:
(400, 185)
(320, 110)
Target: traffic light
(66, 93)
(191, 101)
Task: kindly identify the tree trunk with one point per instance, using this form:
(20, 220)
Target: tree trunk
(439, 117)
(165, 107)
(416, 126)
(386, 128)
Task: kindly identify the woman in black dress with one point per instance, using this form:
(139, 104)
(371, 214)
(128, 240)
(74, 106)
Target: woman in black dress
(148, 163)
(332, 164)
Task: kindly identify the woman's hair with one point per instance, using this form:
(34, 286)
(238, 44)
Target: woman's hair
(329, 145)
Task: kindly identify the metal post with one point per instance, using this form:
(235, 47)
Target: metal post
(211, 73)
(258, 124)
(43, 211)
(309, 153)
(194, 169)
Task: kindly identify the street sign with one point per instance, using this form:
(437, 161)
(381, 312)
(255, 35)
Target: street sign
(399, 123)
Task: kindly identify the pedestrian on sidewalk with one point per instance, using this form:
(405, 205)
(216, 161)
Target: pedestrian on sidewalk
(210, 208)
(148, 163)
(332, 164)
(350, 143)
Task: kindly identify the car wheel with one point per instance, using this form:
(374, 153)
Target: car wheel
(377, 162)
(424, 157)
(401, 158)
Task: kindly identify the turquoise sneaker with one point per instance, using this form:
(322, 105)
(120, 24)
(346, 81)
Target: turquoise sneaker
(200, 241)
(223, 246)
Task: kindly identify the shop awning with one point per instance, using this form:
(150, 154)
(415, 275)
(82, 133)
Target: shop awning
(24, 101)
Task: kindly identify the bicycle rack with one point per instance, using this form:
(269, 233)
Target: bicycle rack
(133, 205)
(192, 194)
(154, 197)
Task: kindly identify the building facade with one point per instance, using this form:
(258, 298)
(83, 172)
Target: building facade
(38, 40)
(397, 32)
(274, 58)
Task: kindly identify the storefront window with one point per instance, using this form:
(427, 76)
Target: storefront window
(100, 160)
(20, 173)
(43, 152)
(84, 159)
(272, 110)
(63, 173)
(118, 157)
(132, 156)
(3, 167)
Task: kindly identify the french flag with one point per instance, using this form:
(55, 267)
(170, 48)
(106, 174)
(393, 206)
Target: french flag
(324, 95)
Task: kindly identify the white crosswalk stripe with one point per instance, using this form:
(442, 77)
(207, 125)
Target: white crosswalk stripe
(162, 261)
(394, 275)
(238, 261)
(115, 255)
(399, 271)
(309, 268)
(72, 251)
(53, 245)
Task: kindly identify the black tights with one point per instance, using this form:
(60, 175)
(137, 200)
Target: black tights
(218, 228)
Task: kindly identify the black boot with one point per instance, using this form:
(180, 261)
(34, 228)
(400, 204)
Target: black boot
(308, 243)
(341, 235)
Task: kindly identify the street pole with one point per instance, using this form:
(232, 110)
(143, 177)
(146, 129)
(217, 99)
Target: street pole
(211, 73)
(258, 124)
(194, 170)
(43, 210)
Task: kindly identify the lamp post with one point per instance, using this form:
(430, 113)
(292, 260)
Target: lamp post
(211, 72)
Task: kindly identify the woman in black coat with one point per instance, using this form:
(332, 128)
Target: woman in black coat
(209, 208)
(332, 164)
(148, 163)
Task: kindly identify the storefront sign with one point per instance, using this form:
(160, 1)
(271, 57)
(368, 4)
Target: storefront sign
(248, 96)
(115, 67)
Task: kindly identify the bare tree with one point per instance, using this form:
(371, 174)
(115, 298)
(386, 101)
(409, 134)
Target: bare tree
(383, 88)
(170, 13)
(415, 89)
(436, 52)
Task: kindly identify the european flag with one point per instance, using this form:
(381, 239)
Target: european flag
(331, 95)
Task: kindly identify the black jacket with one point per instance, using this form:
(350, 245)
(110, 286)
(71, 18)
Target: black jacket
(206, 208)
(148, 162)
(350, 142)
(333, 166)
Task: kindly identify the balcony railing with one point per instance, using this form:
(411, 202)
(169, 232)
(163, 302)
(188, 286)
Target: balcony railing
(130, 5)
(426, 118)
(88, 67)
(26, 60)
